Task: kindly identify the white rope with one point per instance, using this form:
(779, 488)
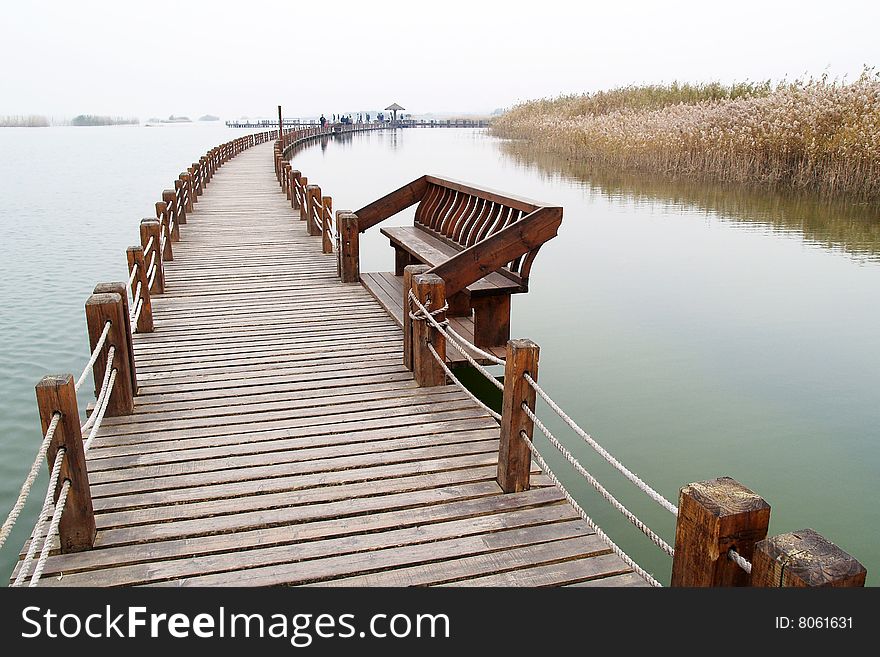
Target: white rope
(152, 262)
(583, 514)
(132, 276)
(629, 515)
(28, 484)
(93, 357)
(36, 534)
(455, 380)
(137, 295)
(645, 488)
(53, 528)
(137, 315)
(148, 245)
(98, 413)
(103, 391)
(151, 278)
(443, 327)
(740, 560)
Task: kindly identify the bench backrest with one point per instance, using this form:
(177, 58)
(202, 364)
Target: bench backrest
(495, 231)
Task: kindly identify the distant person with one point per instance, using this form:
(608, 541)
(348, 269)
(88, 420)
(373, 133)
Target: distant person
(323, 121)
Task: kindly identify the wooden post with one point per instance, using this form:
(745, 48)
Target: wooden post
(314, 196)
(280, 124)
(135, 255)
(408, 273)
(804, 559)
(169, 199)
(180, 196)
(491, 320)
(431, 292)
(204, 174)
(514, 456)
(150, 228)
(100, 309)
(402, 258)
(56, 394)
(349, 255)
(164, 219)
(294, 197)
(713, 517)
(326, 228)
(304, 200)
(188, 186)
(119, 288)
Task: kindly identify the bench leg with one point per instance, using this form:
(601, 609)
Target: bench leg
(459, 305)
(402, 258)
(492, 321)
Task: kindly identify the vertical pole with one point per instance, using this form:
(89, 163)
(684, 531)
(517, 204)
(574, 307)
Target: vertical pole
(180, 200)
(57, 394)
(188, 187)
(150, 228)
(713, 517)
(100, 309)
(135, 255)
(326, 228)
(314, 197)
(294, 191)
(164, 219)
(119, 288)
(408, 273)
(431, 292)
(304, 200)
(280, 124)
(514, 456)
(169, 199)
(804, 559)
(349, 256)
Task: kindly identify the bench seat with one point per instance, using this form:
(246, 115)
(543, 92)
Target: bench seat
(430, 250)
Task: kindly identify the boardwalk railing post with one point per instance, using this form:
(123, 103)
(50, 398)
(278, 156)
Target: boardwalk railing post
(314, 196)
(348, 252)
(100, 309)
(408, 273)
(514, 456)
(57, 394)
(714, 517)
(119, 288)
(150, 228)
(180, 196)
(430, 290)
(294, 192)
(169, 199)
(304, 198)
(326, 227)
(802, 559)
(135, 255)
(164, 219)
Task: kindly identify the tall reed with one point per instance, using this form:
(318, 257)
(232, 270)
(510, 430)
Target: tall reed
(816, 134)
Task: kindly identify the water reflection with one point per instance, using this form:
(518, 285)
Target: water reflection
(852, 228)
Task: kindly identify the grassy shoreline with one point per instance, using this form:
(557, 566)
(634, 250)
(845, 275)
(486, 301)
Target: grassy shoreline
(820, 135)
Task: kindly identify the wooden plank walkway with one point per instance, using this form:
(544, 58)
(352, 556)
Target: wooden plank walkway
(277, 438)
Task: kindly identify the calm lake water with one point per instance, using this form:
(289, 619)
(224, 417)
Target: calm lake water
(694, 330)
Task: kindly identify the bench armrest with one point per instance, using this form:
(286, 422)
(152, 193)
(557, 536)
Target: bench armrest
(495, 251)
(390, 204)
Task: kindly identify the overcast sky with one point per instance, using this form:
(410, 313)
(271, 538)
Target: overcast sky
(155, 57)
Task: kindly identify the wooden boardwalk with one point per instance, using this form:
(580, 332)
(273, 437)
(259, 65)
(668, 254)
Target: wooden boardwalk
(277, 438)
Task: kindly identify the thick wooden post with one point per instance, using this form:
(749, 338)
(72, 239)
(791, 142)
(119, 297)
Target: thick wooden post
(803, 559)
(294, 196)
(56, 394)
(188, 186)
(204, 174)
(119, 288)
(326, 228)
(514, 456)
(408, 273)
(431, 292)
(100, 309)
(196, 174)
(150, 228)
(180, 196)
(304, 200)
(164, 219)
(491, 320)
(169, 199)
(314, 195)
(349, 255)
(402, 258)
(135, 255)
(713, 517)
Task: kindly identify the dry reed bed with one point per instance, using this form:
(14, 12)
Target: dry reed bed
(819, 135)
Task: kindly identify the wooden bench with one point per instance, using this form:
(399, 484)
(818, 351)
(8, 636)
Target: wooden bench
(482, 243)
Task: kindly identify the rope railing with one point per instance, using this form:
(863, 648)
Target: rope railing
(461, 385)
(111, 353)
(132, 275)
(740, 560)
(93, 357)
